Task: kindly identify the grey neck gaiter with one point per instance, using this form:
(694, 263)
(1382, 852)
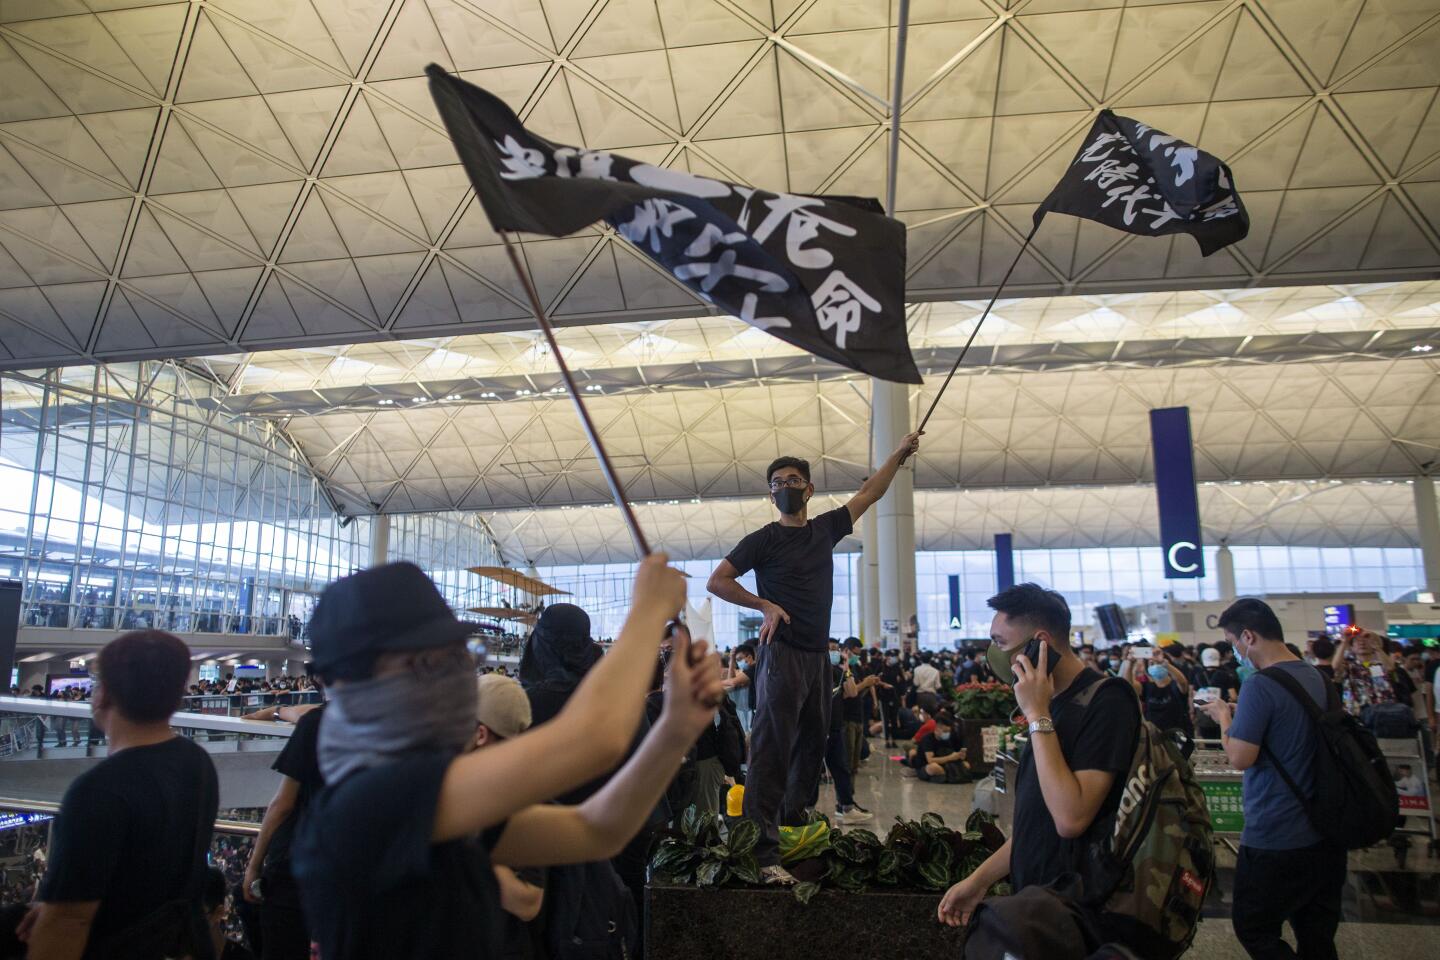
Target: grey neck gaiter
(371, 722)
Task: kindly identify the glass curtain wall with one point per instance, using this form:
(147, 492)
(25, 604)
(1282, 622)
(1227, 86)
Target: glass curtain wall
(129, 500)
(1124, 575)
(446, 546)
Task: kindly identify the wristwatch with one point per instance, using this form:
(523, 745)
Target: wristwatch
(1041, 725)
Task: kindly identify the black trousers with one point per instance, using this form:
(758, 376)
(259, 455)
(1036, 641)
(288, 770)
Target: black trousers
(284, 935)
(890, 716)
(1302, 886)
(837, 761)
(787, 740)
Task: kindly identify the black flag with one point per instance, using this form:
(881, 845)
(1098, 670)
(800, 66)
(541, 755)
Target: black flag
(826, 274)
(1135, 178)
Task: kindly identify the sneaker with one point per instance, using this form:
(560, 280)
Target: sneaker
(909, 772)
(855, 815)
(777, 876)
(856, 806)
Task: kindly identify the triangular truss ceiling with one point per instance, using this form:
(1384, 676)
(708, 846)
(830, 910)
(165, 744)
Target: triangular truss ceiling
(190, 178)
(1089, 426)
(1288, 513)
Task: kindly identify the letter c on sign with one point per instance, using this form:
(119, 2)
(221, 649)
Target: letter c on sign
(1175, 564)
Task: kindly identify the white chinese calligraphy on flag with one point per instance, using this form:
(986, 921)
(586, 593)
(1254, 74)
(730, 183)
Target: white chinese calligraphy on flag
(823, 273)
(1137, 179)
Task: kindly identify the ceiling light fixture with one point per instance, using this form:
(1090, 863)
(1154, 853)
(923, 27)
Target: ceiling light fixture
(386, 402)
(1421, 348)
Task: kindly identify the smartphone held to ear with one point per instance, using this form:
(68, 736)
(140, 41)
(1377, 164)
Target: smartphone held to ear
(1032, 653)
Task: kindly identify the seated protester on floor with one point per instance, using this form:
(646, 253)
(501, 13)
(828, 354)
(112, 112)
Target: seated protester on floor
(940, 757)
(1284, 870)
(284, 933)
(395, 856)
(1071, 777)
(126, 870)
(502, 712)
(216, 908)
(1164, 694)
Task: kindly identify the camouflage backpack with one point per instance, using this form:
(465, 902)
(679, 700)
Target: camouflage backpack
(1149, 877)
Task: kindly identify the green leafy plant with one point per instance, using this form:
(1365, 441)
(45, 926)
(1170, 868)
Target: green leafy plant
(707, 853)
(914, 855)
(984, 701)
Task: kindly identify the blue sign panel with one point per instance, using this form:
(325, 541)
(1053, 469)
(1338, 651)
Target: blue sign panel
(1004, 562)
(954, 583)
(1175, 493)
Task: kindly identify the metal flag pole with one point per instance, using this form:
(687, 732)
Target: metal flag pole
(966, 349)
(617, 490)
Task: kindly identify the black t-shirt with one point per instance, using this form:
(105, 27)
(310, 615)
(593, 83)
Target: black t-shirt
(895, 676)
(932, 744)
(300, 762)
(373, 883)
(794, 567)
(126, 835)
(746, 700)
(837, 703)
(1098, 737)
(1166, 707)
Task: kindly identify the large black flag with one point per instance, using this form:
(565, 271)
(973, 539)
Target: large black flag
(1135, 178)
(826, 274)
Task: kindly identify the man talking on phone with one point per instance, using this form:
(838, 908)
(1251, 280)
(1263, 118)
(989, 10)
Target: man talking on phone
(1072, 776)
(794, 580)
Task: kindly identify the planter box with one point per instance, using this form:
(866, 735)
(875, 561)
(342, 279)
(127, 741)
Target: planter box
(688, 923)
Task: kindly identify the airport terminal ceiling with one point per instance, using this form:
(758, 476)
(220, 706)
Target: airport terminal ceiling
(189, 179)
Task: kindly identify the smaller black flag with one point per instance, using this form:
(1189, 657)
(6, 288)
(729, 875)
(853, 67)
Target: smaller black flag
(1135, 178)
(826, 274)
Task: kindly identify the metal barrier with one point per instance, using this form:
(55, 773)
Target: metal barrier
(13, 805)
(239, 704)
(89, 616)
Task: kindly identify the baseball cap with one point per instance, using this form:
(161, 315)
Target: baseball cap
(502, 705)
(1210, 658)
(386, 609)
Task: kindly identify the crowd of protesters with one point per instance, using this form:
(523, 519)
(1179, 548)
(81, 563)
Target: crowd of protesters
(434, 802)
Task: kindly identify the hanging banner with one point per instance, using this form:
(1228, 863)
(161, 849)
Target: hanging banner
(954, 584)
(1175, 493)
(1004, 562)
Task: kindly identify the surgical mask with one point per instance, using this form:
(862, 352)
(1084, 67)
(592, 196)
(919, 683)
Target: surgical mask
(741, 664)
(1157, 672)
(1246, 671)
(892, 660)
(372, 722)
(789, 499)
(943, 737)
(835, 658)
(1244, 659)
(854, 661)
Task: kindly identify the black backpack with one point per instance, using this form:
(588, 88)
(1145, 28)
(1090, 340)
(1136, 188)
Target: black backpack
(591, 914)
(1355, 804)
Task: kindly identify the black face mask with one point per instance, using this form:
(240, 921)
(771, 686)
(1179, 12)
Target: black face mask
(789, 499)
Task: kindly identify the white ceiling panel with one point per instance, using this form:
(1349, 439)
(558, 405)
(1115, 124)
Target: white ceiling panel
(285, 153)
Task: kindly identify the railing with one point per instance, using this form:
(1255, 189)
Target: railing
(239, 704)
(89, 616)
(12, 805)
(31, 726)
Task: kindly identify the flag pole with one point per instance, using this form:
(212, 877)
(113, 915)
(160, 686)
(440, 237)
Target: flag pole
(617, 490)
(966, 349)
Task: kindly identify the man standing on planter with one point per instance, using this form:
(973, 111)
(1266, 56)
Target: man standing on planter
(794, 578)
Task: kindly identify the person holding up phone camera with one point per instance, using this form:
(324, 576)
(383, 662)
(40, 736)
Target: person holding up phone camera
(1164, 692)
(1071, 777)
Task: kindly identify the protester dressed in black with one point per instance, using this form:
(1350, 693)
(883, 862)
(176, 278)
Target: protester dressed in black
(793, 564)
(126, 872)
(285, 934)
(394, 857)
